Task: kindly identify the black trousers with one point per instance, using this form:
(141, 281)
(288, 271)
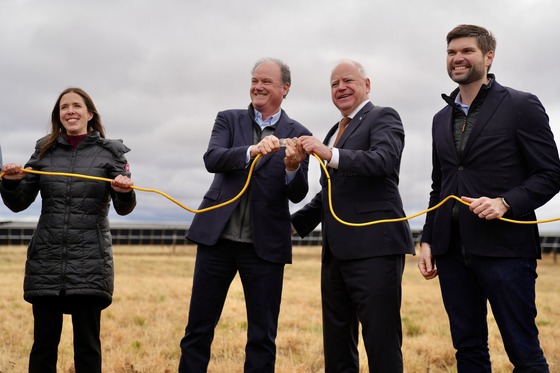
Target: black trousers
(368, 292)
(215, 268)
(48, 317)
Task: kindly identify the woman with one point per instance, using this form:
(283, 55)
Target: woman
(69, 268)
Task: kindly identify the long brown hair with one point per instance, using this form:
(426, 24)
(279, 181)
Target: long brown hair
(57, 128)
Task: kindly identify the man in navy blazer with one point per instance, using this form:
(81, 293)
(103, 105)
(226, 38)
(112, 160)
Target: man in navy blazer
(251, 236)
(362, 267)
(493, 147)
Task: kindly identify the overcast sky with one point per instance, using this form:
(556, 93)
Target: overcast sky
(159, 71)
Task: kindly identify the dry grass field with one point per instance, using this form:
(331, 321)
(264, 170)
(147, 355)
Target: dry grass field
(142, 328)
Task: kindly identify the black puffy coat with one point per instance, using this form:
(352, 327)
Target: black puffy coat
(70, 252)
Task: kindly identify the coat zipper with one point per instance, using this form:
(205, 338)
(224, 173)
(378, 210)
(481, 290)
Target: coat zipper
(65, 225)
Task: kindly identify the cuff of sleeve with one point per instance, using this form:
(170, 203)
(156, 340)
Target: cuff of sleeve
(126, 197)
(505, 203)
(335, 156)
(290, 175)
(248, 156)
(10, 184)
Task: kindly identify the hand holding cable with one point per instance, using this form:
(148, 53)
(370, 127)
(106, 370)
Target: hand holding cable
(12, 171)
(294, 153)
(487, 208)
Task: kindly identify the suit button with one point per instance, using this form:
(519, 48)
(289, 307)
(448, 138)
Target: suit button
(461, 168)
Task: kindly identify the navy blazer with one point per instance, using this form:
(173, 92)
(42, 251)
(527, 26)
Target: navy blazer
(364, 189)
(510, 153)
(231, 136)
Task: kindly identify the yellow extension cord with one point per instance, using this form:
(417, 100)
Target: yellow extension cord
(198, 211)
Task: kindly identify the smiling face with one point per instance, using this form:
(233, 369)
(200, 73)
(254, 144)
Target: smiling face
(267, 90)
(466, 63)
(348, 87)
(74, 114)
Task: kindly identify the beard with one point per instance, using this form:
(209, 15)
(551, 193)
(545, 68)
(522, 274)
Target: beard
(475, 73)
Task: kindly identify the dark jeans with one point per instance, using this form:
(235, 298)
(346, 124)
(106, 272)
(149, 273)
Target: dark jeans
(48, 317)
(467, 283)
(215, 268)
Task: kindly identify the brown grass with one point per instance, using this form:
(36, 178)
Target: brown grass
(141, 330)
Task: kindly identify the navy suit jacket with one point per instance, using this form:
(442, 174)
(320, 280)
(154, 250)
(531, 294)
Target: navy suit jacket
(364, 188)
(270, 216)
(510, 153)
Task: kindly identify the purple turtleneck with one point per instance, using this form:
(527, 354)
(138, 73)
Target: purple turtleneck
(76, 140)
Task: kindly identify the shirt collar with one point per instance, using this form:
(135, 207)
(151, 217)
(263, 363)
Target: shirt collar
(271, 121)
(357, 110)
(460, 104)
(485, 87)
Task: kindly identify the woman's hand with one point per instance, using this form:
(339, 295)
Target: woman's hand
(122, 184)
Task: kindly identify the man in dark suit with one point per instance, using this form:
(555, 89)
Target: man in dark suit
(492, 146)
(362, 267)
(251, 236)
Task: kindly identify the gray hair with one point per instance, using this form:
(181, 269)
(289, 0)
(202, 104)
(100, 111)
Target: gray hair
(356, 64)
(285, 74)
